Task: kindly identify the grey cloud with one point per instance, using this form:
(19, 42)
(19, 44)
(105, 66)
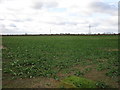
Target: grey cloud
(72, 23)
(2, 26)
(12, 25)
(4, 29)
(16, 20)
(40, 5)
(51, 4)
(64, 23)
(0, 1)
(28, 19)
(22, 20)
(104, 8)
(95, 24)
(1, 19)
(60, 23)
(12, 31)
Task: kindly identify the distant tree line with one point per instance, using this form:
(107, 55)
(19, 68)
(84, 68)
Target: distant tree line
(61, 34)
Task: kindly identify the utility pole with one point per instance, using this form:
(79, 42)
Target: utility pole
(50, 30)
(89, 29)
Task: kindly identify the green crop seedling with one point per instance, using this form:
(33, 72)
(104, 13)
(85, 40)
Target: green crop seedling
(57, 57)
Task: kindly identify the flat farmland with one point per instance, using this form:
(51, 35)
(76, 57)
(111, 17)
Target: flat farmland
(45, 61)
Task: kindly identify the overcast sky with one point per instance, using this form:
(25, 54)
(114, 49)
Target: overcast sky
(61, 16)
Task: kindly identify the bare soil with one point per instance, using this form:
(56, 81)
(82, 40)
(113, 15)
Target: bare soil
(100, 76)
(38, 82)
(109, 49)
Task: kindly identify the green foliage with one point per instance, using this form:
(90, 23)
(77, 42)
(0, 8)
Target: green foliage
(103, 66)
(78, 82)
(113, 72)
(79, 73)
(100, 84)
(32, 56)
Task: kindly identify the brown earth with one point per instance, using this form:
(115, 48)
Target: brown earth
(44, 82)
(38, 82)
(109, 49)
